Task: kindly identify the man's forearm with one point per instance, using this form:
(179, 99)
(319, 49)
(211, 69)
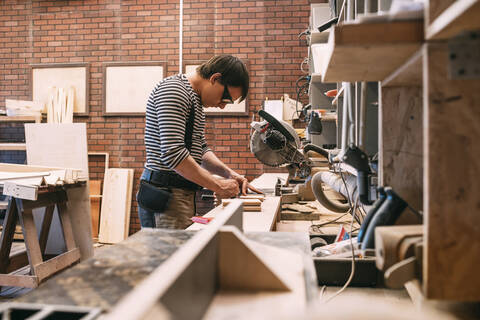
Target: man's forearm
(192, 171)
(214, 165)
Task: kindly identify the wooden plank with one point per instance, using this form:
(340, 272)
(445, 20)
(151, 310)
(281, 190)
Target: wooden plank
(409, 74)
(266, 182)
(54, 265)
(19, 119)
(67, 227)
(12, 146)
(116, 204)
(17, 261)
(25, 218)
(20, 191)
(265, 220)
(370, 51)
(451, 184)
(449, 18)
(6, 237)
(95, 196)
(400, 145)
(18, 281)
(67, 150)
(11, 167)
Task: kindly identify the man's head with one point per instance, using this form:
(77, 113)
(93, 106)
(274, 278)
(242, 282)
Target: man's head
(228, 80)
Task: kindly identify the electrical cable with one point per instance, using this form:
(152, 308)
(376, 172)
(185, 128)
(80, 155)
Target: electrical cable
(305, 61)
(315, 226)
(352, 272)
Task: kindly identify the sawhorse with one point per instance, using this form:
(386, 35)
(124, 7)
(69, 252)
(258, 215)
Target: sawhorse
(40, 268)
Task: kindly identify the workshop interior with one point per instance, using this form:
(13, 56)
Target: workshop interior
(360, 131)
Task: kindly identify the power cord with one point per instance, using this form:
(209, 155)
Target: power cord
(352, 272)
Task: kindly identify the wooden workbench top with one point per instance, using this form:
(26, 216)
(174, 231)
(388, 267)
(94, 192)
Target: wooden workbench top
(264, 220)
(103, 280)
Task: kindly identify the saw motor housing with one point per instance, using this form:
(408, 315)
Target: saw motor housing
(275, 143)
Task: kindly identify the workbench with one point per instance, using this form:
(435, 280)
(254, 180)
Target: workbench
(104, 279)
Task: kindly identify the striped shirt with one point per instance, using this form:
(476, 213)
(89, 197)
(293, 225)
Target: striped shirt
(168, 110)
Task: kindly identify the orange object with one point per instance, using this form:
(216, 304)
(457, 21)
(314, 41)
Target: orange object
(331, 93)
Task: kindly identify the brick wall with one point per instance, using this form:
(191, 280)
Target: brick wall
(100, 31)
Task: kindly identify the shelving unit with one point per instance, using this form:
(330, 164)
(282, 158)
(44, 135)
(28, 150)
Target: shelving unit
(428, 128)
(448, 18)
(370, 51)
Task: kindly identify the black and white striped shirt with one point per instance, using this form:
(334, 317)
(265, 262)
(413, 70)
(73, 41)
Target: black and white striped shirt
(168, 109)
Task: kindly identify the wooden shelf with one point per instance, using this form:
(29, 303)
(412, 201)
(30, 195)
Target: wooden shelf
(319, 53)
(13, 146)
(370, 51)
(19, 119)
(408, 75)
(461, 15)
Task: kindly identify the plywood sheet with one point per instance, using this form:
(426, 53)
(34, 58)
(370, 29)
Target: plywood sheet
(116, 204)
(64, 146)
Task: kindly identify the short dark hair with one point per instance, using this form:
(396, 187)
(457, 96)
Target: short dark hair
(233, 70)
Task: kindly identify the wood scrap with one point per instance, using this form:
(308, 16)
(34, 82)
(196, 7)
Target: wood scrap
(298, 207)
(260, 197)
(246, 202)
(295, 215)
(95, 197)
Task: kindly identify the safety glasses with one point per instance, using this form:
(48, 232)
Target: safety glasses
(226, 97)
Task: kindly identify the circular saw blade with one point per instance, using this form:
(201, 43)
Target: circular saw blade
(264, 153)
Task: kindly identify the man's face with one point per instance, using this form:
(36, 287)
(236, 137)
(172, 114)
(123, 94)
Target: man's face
(219, 95)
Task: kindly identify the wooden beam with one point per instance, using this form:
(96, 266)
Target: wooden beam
(400, 147)
(50, 267)
(449, 18)
(451, 181)
(12, 280)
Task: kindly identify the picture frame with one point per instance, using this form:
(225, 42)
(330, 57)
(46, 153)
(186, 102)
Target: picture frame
(235, 109)
(127, 85)
(61, 75)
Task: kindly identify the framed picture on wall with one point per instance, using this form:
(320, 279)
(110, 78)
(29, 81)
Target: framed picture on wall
(126, 86)
(234, 109)
(45, 78)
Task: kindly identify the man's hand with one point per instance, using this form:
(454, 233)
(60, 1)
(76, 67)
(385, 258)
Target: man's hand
(244, 185)
(228, 188)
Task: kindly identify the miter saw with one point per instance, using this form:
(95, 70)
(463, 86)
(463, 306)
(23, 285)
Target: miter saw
(275, 143)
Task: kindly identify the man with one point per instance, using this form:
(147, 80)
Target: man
(178, 159)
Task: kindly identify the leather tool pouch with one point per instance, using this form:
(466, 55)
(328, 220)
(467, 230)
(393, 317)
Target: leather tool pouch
(153, 198)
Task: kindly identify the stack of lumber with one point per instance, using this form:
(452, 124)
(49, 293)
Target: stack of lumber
(248, 204)
(23, 181)
(38, 176)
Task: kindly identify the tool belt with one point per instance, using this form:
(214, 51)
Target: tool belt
(169, 179)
